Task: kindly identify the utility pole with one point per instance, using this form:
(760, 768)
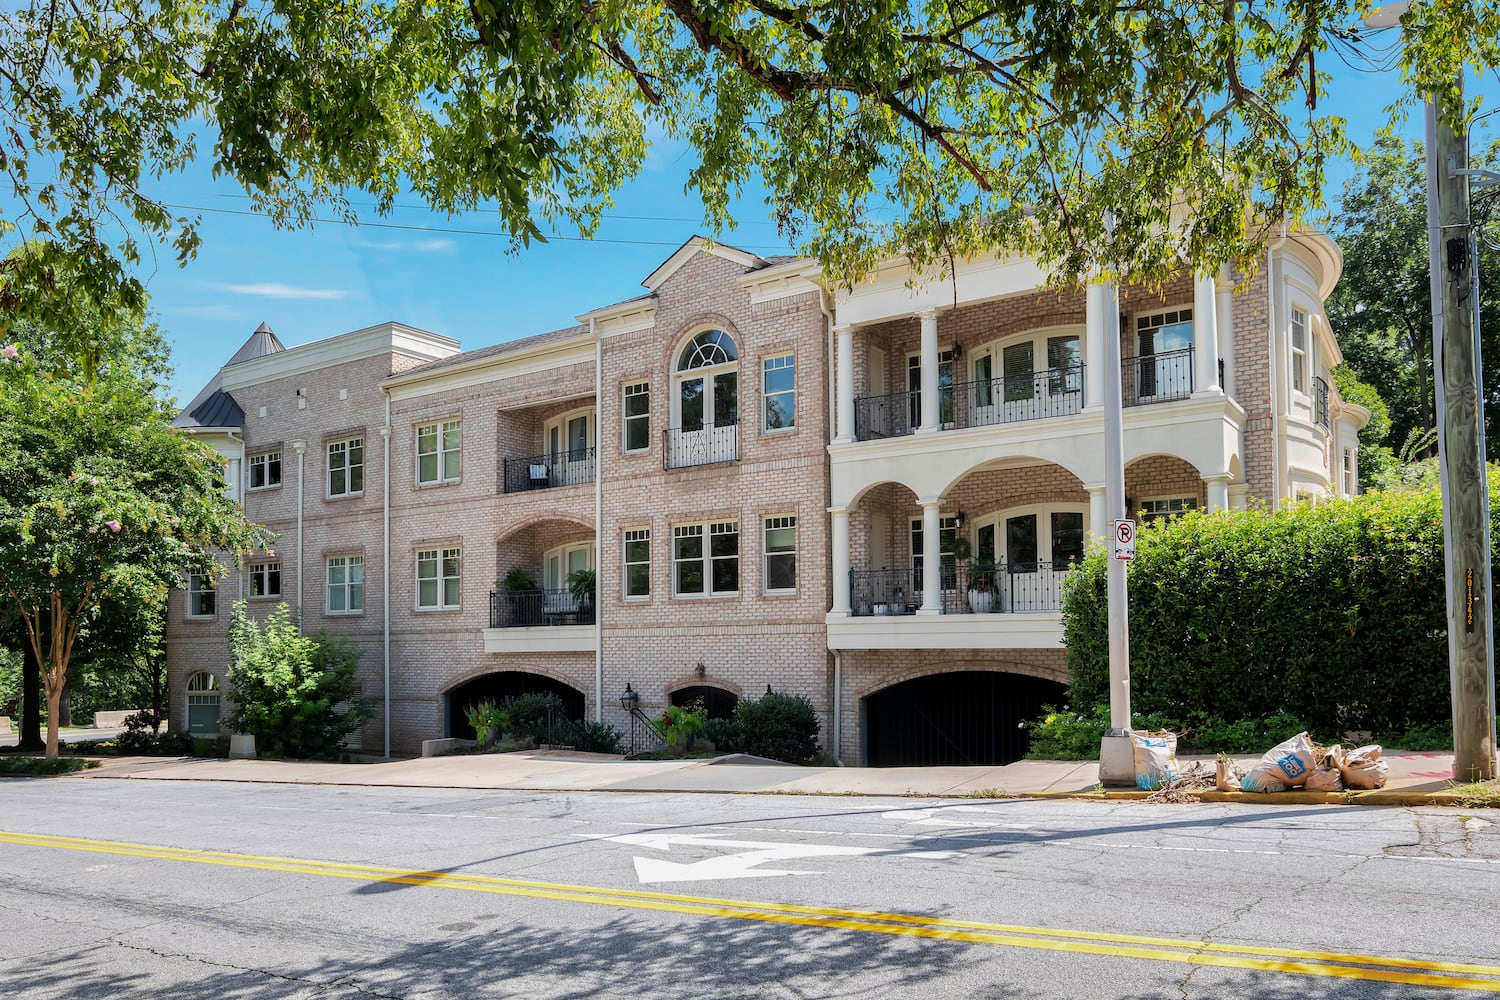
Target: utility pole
(1461, 452)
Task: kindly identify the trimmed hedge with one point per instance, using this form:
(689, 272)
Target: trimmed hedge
(1333, 613)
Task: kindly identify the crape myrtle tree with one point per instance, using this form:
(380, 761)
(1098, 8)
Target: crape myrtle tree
(934, 128)
(100, 499)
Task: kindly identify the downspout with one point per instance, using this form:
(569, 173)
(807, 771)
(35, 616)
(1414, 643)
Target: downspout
(598, 526)
(838, 658)
(385, 572)
(300, 447)
(1278, 443)
(242, 483)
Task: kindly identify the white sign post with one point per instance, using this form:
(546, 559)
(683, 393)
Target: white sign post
(1125, 540)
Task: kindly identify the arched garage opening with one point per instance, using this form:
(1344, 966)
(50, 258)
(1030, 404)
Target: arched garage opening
(964, 717)
(497, 687)
(715, 700)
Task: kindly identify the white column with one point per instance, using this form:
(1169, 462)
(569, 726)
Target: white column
(932, 554)
(1225, 319)
(845, 389)
(1093, 346)
(1099, 520)
(1218, 491)
(1239, 496)
(1205, 336)
(930, 408)
(840, 559)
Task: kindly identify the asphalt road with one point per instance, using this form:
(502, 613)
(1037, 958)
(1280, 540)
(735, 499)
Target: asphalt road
(68, 736)
(114, 888)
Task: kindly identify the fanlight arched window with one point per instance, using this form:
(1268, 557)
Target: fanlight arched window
(203, 704)
(708, 350)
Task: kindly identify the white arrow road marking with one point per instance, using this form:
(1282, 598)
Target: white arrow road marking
(742, 864)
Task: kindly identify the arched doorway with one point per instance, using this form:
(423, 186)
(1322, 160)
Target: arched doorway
(965, 717)
(719, 703)
(203, 704)
(504, 684)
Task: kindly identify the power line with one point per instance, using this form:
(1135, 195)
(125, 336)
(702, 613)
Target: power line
(452, 231)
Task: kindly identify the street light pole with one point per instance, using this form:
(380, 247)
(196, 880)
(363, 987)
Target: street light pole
(1461, 453)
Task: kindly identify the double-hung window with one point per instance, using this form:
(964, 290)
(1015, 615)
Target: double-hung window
(706, 559)
(265, 579)
(780, 389)
(200, 596)
(779, 573)
(1152, 510)
(346, 467)
(637, 411)
(638, 562)
(437, 579)
(438, 453)
(265, 470)
(1299, 350)
(346, 585)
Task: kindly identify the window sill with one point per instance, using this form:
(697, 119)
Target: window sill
(201, 618)
(778, 431)
(262, 489)
(440, 482)
(344, 614)
(705, 597)
(264, 597)
(344, 496)
(778, 593)
(430, 611)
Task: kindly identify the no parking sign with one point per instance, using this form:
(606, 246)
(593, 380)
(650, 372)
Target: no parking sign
(1125, 540)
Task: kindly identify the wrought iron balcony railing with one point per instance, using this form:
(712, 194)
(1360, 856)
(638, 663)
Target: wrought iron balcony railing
(539, 607)
(541, 472)
(707, 445)
(1156, 378)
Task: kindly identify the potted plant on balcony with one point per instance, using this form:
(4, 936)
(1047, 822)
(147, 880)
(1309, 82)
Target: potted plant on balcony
(982, 580)
(581, 585)
(525, 597)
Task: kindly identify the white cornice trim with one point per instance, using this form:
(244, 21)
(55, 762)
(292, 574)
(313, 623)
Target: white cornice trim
(573, 350)
(372, 341)
(688, 251)
(782, 281)
(622, 317)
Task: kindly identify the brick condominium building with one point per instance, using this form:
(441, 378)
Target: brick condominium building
(866, 496)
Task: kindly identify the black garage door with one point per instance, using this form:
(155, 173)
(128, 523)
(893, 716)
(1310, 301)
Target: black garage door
(508, 684)
(969, 717)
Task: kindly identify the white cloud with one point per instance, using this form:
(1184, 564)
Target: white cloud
(438, 244)
(274, 290)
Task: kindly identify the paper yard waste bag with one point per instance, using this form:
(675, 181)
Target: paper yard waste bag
(1364, 767)
(1325, 779)
(1227, 777)
(1155, 759)
(1286, 765)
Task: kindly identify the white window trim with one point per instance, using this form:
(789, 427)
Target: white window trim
(347, 585)
(767, 524)
(707, 560)
(626, 418)
(643, 535)
(1305, 353)
(348, 478)
(561, 553)
(1188, 503)
(442, 453)
(706, 373)
(1043, 514)
(262, 567)
(197, 592)
(440, 556)
(765, 394)
(264, 458)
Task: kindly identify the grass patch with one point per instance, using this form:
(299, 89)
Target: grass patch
(42, 767)
(985, 793)
(1480, 794)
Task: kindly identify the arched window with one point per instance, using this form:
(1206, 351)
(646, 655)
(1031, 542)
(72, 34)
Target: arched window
(705, 401)
(203, 704)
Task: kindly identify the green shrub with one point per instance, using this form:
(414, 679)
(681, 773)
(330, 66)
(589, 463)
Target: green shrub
(723, 734)
(1067, 735)
(42, 767)
(535, 715)
(294, 694)
(1333, 613)
(592, 737)
(779, 726)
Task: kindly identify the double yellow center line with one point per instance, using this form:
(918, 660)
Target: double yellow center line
(1339, 965)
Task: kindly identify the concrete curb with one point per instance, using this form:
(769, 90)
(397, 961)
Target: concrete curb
(1371, 797)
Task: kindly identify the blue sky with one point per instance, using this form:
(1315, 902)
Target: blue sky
(439, 275)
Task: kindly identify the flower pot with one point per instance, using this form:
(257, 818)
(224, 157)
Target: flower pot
(980, 602)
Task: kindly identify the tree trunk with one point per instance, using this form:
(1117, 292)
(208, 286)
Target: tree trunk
(65, 705)
(54, 696)
(31, 700)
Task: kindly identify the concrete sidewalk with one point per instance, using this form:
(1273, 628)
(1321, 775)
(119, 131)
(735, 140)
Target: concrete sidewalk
(1415, 778)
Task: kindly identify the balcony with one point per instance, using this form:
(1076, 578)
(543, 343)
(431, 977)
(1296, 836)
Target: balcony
(1033, 396)
(1157, 378)
(683, 447)
(540, 472)
(539, 621)
(967, 589)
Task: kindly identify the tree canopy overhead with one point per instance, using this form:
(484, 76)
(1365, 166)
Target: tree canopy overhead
(931, 128)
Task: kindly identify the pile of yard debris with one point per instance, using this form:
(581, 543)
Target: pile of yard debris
(1295, 763)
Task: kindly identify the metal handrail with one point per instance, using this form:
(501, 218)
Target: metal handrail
(525, 608)
(706, 445)
(573, 467)
(1156, 378)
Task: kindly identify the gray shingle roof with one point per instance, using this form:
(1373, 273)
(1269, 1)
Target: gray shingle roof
(213, 407)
